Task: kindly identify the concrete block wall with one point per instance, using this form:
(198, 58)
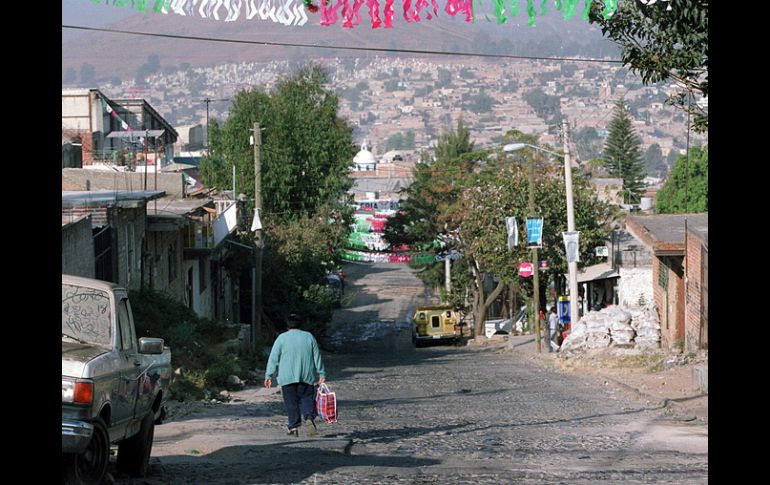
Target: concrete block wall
(77, 248)
(163, 245)
(130, 226)
(80, 179)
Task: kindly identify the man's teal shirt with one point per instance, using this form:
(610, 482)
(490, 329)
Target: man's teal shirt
(296, 355)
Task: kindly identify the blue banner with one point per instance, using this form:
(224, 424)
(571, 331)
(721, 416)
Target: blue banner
(534, 232)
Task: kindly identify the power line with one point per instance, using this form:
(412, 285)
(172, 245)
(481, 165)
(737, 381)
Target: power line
(315, 46)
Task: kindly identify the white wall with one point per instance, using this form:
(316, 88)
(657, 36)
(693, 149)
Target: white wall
(634, 284)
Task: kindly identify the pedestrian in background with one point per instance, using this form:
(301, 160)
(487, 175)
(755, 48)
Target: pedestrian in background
(554, 340)
(297, 358)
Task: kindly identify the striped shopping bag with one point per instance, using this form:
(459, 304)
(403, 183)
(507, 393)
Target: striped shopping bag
(326, 404)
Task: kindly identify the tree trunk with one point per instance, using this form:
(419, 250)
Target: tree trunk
(480, 313)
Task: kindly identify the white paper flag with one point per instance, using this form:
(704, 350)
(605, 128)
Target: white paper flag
(513, 232)
(256, 224)
(572, 246)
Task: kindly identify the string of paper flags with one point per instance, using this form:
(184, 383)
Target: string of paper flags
(330, 12)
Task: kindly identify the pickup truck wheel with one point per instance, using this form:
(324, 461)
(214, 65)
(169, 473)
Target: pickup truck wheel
(134, 452)
(90, 467)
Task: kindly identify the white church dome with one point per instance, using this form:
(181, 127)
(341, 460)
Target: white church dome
(364, 160)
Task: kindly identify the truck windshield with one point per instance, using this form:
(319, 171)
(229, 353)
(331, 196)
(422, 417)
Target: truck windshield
(85, 315)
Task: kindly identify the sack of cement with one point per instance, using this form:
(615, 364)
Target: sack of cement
(617, 314)
(576, 340)
(648, 333)
(622, 337)
(620, 326)
(598, 342)
(647, 343)
(598, 324)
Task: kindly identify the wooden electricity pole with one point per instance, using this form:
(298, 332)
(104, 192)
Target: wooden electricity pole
(257, 309)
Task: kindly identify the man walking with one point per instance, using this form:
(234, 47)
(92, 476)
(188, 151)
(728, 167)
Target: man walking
(296, 355)
(553, 328)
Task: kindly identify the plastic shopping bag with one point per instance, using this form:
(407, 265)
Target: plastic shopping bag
(326, 404)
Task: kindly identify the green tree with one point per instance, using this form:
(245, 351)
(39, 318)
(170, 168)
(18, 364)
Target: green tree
(683, 193)
(547, 107)
(444, 78)
(397, 141)
(654, 163)
(431, 196)
(87, 73)
(306, 150)
(660, 44)
(621, 154)
(481, 103)
(306, 146)
(504, 192)
(70, 76)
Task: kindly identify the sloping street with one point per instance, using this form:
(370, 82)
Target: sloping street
(437, 415)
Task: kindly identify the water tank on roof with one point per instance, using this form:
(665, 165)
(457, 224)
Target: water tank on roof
(645, 203)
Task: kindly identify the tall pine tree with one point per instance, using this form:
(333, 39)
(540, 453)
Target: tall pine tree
(622, 157)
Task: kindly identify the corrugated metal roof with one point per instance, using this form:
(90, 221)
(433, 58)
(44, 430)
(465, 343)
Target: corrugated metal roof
(171, 206)
(599, 271)
(136, 133)
(669, 228)
(100, 197)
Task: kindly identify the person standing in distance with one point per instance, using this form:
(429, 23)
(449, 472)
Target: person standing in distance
(553, 327)
(297, 358)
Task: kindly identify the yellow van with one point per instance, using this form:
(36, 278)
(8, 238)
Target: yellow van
(434, 323)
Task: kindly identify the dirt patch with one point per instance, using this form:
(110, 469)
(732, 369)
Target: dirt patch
(656, 375)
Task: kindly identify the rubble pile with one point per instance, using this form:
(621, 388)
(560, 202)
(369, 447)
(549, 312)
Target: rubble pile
(617, 327)
(598, 330)
(621, 331)
(647, 328)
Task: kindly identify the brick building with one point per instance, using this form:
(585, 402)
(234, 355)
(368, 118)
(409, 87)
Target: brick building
(664, 235)
(696, 289)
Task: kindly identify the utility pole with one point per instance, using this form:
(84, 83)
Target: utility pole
(257, 308)
(448, 274)
(535, 278)
(207, 101)
(573, 286)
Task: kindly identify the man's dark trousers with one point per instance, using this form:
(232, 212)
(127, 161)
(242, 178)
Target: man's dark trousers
(298, 398)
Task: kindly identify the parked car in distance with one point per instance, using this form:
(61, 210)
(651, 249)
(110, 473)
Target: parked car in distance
(504, 326)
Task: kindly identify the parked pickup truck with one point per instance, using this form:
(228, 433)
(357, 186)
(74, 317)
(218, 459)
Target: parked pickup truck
(113, 387)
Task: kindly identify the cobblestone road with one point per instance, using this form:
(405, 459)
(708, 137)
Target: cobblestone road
(435, 415)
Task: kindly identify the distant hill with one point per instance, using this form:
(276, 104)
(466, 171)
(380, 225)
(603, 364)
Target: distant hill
(120, 55)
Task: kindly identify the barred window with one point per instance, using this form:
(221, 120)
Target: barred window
(662, 273)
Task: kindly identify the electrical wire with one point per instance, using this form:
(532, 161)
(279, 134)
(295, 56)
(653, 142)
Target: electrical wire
(366, 49)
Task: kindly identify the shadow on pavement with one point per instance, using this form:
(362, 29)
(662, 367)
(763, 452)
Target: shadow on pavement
(284, 463)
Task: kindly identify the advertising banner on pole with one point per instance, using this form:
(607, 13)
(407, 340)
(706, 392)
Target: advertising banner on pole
(513, 232)
(534, 232)
(571, 245)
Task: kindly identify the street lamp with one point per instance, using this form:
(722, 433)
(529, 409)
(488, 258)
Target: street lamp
(572, 266)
